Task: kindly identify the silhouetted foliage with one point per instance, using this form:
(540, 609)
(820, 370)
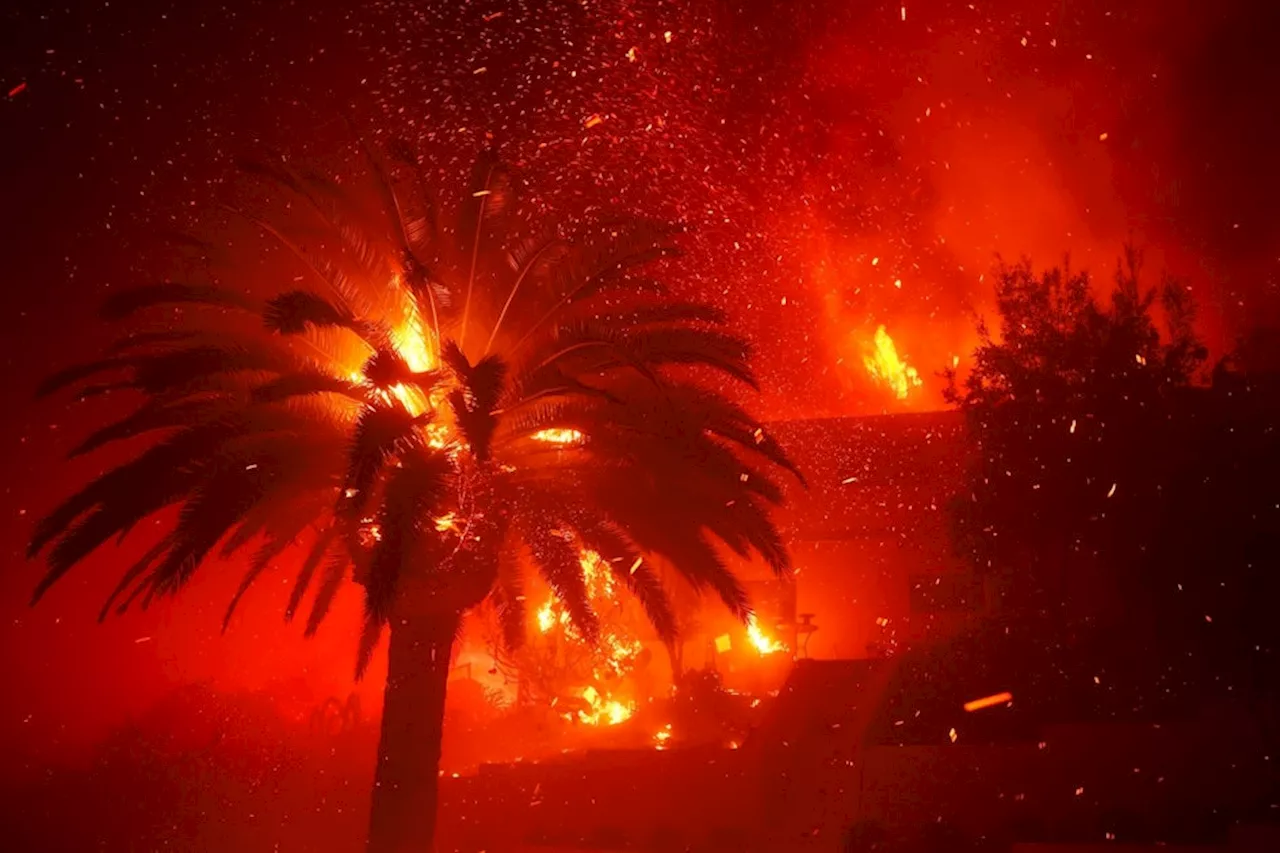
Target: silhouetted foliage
(1064, 402)
(1114, 487)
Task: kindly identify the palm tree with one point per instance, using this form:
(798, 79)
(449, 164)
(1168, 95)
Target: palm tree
(459, 395)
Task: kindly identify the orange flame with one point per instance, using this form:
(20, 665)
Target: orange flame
(558, 436)
(888, 368)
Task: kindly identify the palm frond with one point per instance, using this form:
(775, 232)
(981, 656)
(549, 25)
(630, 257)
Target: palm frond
(305, 383)
(315, 556)
(559, 562)
(125, 303)
(382, 431)
(335, 572)
(293, 312)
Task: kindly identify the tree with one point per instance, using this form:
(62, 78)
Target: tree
(1070, 407)
(457, 392)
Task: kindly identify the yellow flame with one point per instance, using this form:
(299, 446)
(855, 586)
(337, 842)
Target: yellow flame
(558, 436)
(888, 368)
(547, 616)
(764, 645)
(604, 710)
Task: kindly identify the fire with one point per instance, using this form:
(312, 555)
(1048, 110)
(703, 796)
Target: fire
(763, 644)
(604, 710)
(601, 586)
(888, 368)
(558, 436)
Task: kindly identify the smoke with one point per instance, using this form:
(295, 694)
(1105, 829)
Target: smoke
(849, 165)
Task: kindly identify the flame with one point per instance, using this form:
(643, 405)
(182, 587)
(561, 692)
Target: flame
(604, 710)
(617, 650)
(558, 436)
(763, 644)
(601, 585)
(546, 616)
(411, 339)
(888, 368)
(661, 737)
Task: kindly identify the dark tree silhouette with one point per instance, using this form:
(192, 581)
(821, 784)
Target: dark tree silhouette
(1068, 405)
(456, 393)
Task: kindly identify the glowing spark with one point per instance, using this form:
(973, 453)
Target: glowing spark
(22, 87)
(631, 54)
(888, 368)
(636, 565)
(988, 701)
(1113, 489)
(952, 734)
(593, 121)
(667, 36)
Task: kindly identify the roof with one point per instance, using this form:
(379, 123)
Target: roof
(868, 475)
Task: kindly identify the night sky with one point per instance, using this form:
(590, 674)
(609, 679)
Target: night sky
(842, 165)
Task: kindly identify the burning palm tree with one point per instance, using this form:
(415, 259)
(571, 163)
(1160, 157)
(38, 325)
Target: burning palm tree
(458, 395)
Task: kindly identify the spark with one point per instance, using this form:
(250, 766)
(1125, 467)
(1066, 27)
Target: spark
(988, 701)
(17, 90)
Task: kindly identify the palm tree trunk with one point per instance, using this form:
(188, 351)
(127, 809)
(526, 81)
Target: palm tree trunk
(406, 784)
